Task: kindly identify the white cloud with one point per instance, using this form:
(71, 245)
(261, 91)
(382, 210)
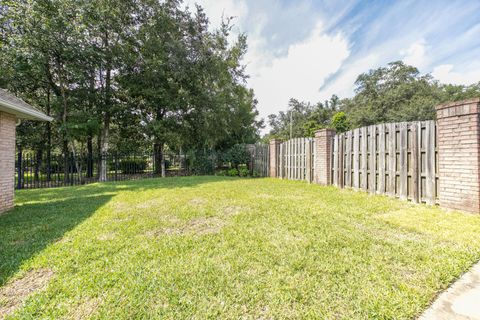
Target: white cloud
(299, 74)
(299, 50)
(446, 74)
(343, 84)
(415, 55)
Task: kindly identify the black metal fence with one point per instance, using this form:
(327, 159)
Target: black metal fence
(37, 170)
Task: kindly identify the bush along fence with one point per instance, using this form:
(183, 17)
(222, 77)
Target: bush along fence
(434, 162)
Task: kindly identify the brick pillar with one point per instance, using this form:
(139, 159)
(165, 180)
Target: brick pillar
(458, 130)
(273, 150)
(7, 160)
(323, 156)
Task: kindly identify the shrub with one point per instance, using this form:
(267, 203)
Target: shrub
(130, 166)
(203, 164)
(256, 174)
(237, 155)
(340, 122)
(243, 172)
(221, 173)
(232, 173)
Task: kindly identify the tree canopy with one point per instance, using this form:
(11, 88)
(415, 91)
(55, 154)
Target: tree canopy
(394, 93)
(126, 76)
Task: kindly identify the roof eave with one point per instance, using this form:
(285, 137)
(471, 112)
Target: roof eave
(23, 113)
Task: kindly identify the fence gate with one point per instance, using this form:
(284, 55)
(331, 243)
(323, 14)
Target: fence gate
(296, 159)
(260, 157)
(398, 159)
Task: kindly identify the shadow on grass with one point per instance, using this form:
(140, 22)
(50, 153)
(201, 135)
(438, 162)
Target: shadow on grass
(43, 216)
(30, 228)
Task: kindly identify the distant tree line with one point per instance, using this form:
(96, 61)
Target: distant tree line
(394, 93)
(127, 76)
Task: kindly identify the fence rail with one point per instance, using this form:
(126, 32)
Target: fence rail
(296, 159)
(35, 170)
(398, 159)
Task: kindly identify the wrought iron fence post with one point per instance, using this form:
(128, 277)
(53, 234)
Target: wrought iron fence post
(19, 170)
(72, 170)
(116, 166)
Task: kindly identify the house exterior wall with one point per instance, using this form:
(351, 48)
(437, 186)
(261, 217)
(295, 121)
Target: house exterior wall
(7, 160)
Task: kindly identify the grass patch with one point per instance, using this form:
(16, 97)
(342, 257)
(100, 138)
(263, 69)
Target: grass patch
(218, 247)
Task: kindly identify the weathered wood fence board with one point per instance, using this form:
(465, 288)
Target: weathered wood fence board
(296, 159)
(398, 159)
(260, 159)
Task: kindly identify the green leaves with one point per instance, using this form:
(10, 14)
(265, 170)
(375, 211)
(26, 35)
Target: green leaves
(340, 122)
(128, 73)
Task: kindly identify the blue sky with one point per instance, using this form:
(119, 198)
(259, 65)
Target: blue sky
(310, 50)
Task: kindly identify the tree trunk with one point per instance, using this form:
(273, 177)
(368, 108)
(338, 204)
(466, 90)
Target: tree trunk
(89, 156)
(77, 164)
(91, 106)
(49, 141)
(38, 164)
(99, 155)
(105, 134)
(159, 156)
(64, 121)
(66, 163)
(104, 149)
(162, 160)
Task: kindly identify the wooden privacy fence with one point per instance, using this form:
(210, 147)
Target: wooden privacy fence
(398, 159)
(435, 162)
(260, 157)
(296, 159)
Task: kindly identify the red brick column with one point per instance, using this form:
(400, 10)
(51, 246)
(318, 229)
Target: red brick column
(7, 160)
(323, 156)
(458, 130)
(274, 150)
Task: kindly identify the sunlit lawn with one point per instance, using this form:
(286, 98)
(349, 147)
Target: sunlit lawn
(216, 247)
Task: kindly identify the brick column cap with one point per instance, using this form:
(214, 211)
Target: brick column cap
(458, 108)
(275, 141)
(457, 103)
(325, 131)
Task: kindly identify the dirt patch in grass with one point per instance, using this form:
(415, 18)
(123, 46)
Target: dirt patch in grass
(14, 293)
(85, 309)
(265, 196)
(197, 226)
(231, 210)
(393, 236)
(197, 202)
(120, 206)
(18, 243)
(149, 204)
(64, 239)
(107, 236)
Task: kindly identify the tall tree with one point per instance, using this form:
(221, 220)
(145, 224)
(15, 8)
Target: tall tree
(113, 71)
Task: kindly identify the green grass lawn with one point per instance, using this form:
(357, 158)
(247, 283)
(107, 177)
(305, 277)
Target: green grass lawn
(217, 247)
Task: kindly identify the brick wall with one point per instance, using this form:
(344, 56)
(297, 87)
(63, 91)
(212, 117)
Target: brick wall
(274, 151)
(458, 129)
(7, 160)
(323, 156)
